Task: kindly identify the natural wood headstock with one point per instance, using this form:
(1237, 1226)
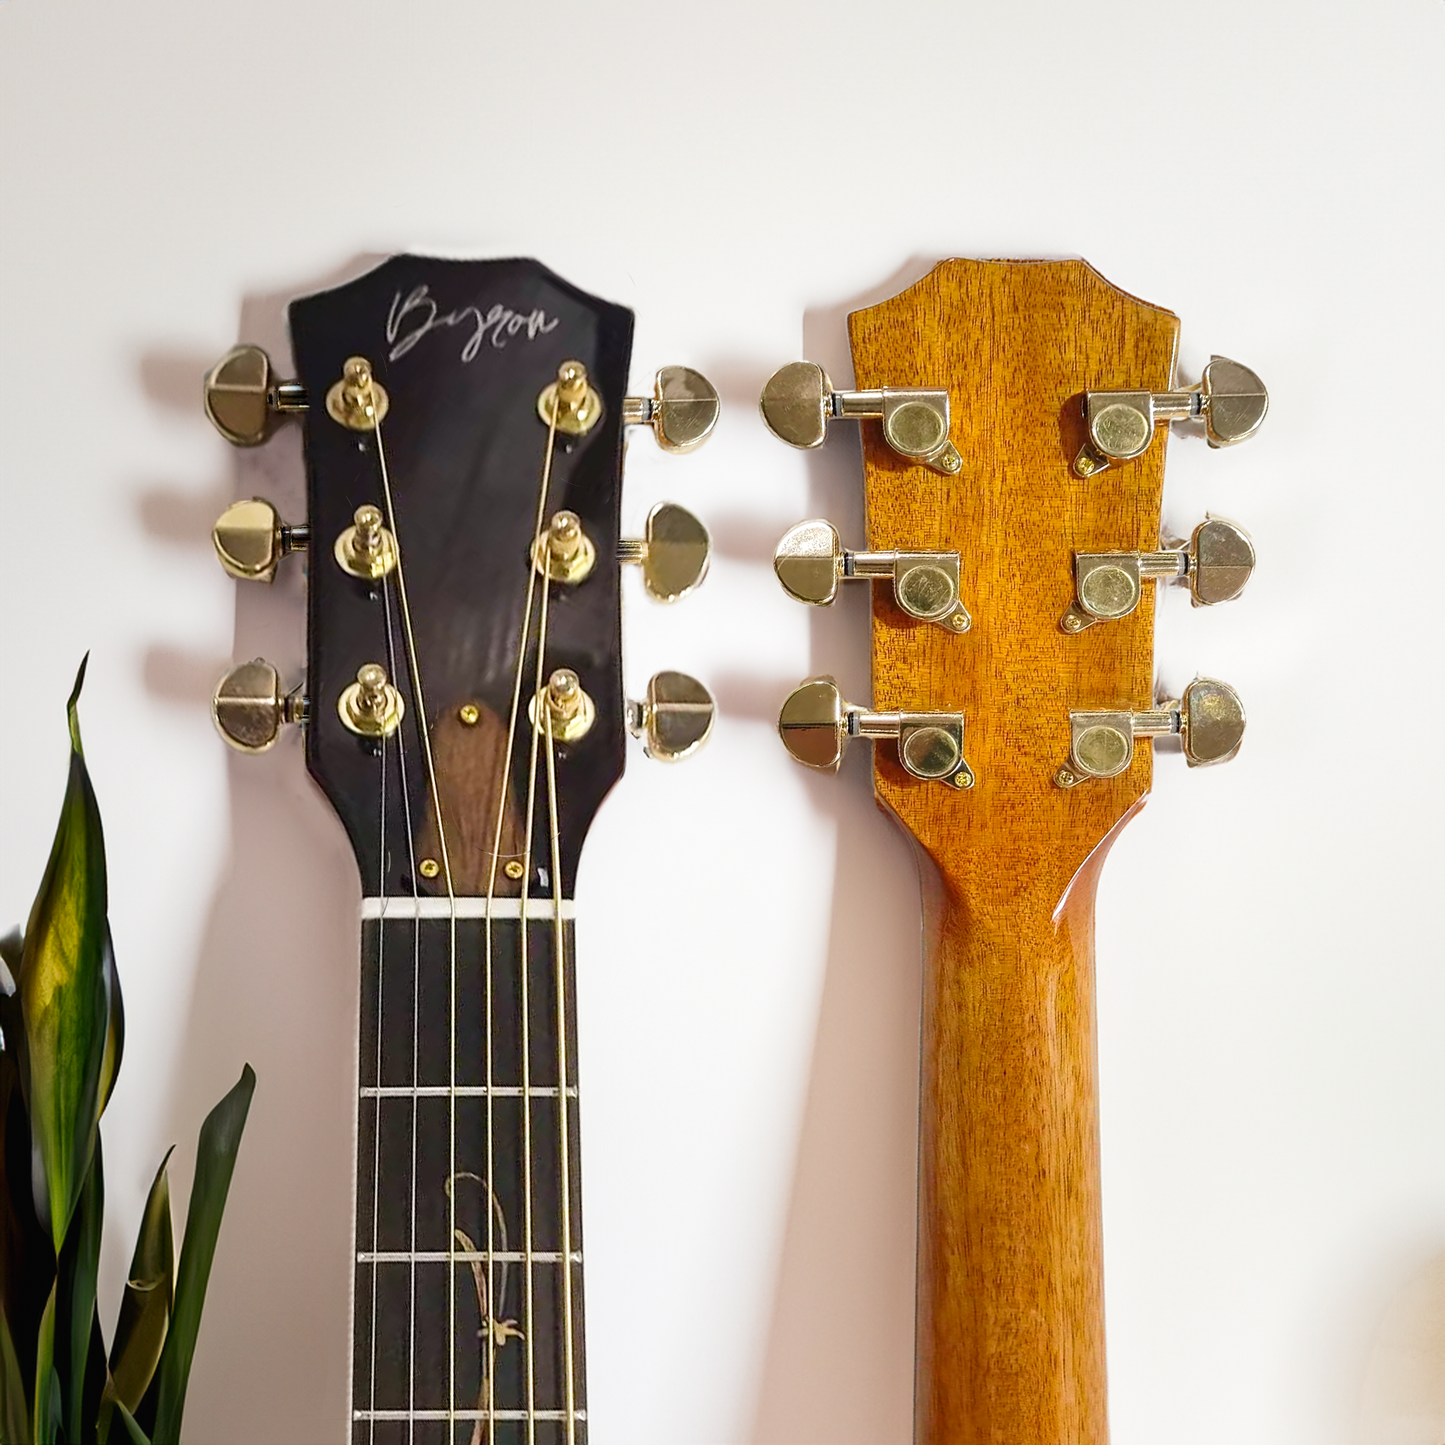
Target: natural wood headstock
(1016, 344)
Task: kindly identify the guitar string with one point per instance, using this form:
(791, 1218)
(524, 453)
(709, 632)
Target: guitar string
(502, 797)
(415, 1035)
(528, 1244)
(376, 1140)
(424, 732)
(559, 954)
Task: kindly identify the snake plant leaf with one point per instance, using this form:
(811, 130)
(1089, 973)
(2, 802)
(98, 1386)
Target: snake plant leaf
(45, 1422)
(133, 1432)
(12, 1021)
(64, 997)
(77, 1269)
(115, 1025)
(145, 1312)
(14, 1409)
(215, 1163)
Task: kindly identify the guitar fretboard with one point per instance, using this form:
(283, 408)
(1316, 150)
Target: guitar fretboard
(468, 1251)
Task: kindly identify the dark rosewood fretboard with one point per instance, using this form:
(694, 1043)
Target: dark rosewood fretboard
(424, 1121)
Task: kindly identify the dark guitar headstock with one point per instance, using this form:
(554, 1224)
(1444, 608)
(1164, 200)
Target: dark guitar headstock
(464, 426)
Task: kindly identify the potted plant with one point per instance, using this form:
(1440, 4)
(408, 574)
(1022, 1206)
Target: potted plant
(63, 1028)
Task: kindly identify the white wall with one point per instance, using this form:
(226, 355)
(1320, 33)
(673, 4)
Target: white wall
(1271, 979)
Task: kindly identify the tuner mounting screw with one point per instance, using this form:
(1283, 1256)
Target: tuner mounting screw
(429, 868)
(371, 707)
(367, 549)
(513, 870)
(564, 552)
(469, 713)
(570, 403)
(570, 712)
(358, 400)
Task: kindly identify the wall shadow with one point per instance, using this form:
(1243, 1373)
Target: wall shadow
(838, 1366)
(276, 980)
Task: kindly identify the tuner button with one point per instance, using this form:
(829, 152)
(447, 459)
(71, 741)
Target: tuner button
(674, 553)
(1236, 402)
(249, 707)
(809, 561)
(675, 719)
(242, 401)
(1211, 722)
(796, 404)
(250, 540)
(683, 410)
(814, 724)
(1221, 561)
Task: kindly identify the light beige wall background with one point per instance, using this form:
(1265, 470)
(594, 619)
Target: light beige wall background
(1271, 985)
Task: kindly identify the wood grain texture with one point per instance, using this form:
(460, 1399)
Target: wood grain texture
(1010, 1316)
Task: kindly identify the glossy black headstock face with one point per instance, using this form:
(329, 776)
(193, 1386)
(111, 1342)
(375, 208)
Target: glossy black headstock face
(462, 350)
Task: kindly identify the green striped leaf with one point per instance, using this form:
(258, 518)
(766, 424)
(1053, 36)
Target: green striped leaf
(69, 998)
(215, 1163)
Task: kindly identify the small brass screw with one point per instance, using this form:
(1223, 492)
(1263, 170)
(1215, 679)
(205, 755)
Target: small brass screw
(469, 713)
(963, 780)
(1065, 778)
(513, 869)
(958, 622)
(429, 868)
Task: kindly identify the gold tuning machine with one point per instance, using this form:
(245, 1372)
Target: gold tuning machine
(244, 400)
(251, 539)
(1208, 720)
(816, 726)
(366, 549)
(250, 708)
(674, 719)
(682, 410)
(1230, 400)
(371, 707)
(799, 401)
(811, 561)
(1216, 563)
(673, 553)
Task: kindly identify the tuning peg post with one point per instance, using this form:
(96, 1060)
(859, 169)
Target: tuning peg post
(674, 719)
(244, 401)
(250, 708)
(682, 411)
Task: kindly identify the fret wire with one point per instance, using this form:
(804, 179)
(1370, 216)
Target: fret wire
(501, 1416)
(462, 1091)
(463, 1256)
